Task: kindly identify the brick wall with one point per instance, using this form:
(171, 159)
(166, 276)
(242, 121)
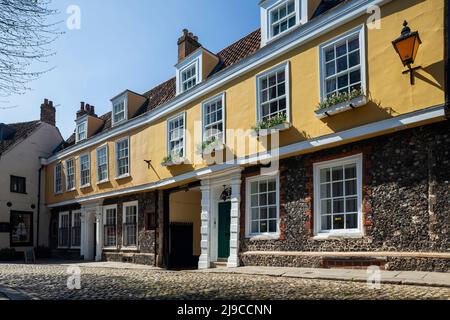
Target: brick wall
(406, 192)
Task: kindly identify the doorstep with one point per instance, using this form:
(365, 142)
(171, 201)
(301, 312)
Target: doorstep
(417, 278)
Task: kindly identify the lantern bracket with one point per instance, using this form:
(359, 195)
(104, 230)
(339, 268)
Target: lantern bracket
(412, 74)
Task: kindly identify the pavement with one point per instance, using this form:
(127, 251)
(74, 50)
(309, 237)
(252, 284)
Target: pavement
(418, 278)
(49, 280)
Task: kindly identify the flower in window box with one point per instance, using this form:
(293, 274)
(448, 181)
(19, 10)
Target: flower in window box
(173, 159)
(340, 102)
(210, 146)
(278, 122)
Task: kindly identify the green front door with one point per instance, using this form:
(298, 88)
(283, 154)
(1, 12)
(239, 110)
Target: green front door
(224, 229)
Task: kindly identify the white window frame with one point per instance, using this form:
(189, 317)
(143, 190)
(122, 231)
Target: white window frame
(85, 131)
(268, 6)
(283, 66)
(72, 226)
(125, 175)
(124, 211)
(105, 209)
(61, 214)
(193, 67)
(361, 31)
(85, 185)
(55, 185)
(182, 114)
(248, 211)
(74, 174)
(220, 96)
(194, 59)
(118, 100)
(104, 147)
(319, 233)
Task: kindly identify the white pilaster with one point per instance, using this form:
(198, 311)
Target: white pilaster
(99, 233)
(233, 260)
(83, 233)
(205, 259)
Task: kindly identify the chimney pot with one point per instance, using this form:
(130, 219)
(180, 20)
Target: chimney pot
(82, 106)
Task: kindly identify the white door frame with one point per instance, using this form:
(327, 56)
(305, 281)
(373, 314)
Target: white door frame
(90, 214)
(212, 187)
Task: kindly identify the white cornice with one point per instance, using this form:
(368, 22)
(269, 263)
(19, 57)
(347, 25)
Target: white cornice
(389, 125)
(317, 27)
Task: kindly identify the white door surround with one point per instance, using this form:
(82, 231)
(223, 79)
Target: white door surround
(91, 214)
(212, 188)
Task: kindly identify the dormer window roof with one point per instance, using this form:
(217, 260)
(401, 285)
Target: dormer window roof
(280, 16)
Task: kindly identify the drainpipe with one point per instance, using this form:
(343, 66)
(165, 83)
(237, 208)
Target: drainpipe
(447, 56)
(38, 204)
(156, 228)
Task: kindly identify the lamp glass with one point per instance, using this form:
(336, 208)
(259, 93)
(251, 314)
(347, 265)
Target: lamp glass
(407, 48)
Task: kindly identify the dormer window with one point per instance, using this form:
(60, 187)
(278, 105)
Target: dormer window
(81, 131)
(189, 72)
(280, 16)
(125, 106)
(119, 112)
(189, 77)
(195, 63)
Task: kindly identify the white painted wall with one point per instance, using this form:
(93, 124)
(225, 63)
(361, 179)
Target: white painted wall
(24, 160)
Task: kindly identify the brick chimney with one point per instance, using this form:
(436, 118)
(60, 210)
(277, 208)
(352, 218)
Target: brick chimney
(48, 112)
(86, 109)
(187, 44)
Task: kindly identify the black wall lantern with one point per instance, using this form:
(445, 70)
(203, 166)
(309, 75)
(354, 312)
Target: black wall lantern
(407, 46)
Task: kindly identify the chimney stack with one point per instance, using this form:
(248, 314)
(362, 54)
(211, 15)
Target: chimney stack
(48, 112)
(86, 109)
(187, 44)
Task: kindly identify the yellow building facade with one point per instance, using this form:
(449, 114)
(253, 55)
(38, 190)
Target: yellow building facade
(325, 51)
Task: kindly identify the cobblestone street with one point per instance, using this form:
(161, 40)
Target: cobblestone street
(50, 282)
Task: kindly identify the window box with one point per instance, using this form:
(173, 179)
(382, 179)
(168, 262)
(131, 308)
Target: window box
(268, 131)
(346, 105)
(172, 160)
(272, 125)
(210, 147)
(124, 176)
(169, 162)
(210, 151)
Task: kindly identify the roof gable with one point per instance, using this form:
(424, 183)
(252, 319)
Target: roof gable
(17, 133)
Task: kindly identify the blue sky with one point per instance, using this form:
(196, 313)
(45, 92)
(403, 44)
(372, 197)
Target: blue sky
(125, 45)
